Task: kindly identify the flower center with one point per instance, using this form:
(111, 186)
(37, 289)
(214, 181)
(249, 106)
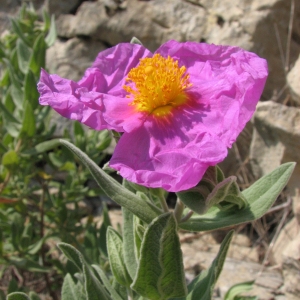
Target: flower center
(160, 85)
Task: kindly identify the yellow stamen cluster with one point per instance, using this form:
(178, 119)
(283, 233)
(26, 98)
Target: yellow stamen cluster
(160, 85)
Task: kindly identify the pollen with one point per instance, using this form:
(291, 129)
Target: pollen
(158, 85)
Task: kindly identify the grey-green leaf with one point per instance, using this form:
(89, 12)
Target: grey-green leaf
(35, 296)
(23, 53)
(239, 288)
(201, 288)
(42, 147)
(146, 211)
(72, 254)
(71, 290)
(128, 242)
(93, 287)
(28, 125)
(52, 35)
(107, 284)
(160, 272)
(116, 257)
(17, 296)
(260, 197)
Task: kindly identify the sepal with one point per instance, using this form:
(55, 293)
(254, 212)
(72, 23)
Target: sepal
(213, 190)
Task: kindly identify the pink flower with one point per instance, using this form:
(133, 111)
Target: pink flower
(179, 109)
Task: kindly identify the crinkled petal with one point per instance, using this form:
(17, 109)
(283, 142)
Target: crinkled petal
(72, 100)
(116, 62)
(83, 100)
(175, 159)
(228, 79)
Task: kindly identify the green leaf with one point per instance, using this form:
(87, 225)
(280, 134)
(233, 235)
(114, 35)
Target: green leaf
(201, 288)
(34, 296)
(70, 290)
(160, 273)
(31, 94)
(17, 30)
(42, 147)
(28, 125)
(91, 250)
(17, 296)
(10, 159)
(128, 242)
(260, 197)
(113, 293)
(146, 211)
(135, 40)
(24, 54)
(103, 229)
(52, 35)
(7, 115)
(38, 57)
(116, 257)
(28, 265)
(237, 289)
(72, 254)
(93, 287)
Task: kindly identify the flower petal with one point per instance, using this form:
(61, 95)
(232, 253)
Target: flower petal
(72, 100)
(229, 79)
(83, 101)
(173, 159)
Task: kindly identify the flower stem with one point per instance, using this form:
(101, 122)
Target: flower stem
(162, 200)
(130, 294)
(179, 207)
(187, 216)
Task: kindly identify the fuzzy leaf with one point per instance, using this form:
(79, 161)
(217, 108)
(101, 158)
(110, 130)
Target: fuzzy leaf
(128, 242)
(201, 288)
(160, 273)
(52, 35)
(70, 290)
(116, 257)
(146, 211)
(260, 197)
(28, 125)
(72, 254)
(107, 283)
(17, 296)
(93, 287)
(23, 53)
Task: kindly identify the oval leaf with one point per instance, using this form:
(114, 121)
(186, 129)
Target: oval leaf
(145, 210)
(116, 257)
(260, 197)
(201, 288)
(160, 272)
(17, 296)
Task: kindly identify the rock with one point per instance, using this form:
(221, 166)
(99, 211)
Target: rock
(293, 81)
(288, 234)
(196, 258)
(291, 269)
(151, 22)
(61, 7)
(71, 58)
(276, 140)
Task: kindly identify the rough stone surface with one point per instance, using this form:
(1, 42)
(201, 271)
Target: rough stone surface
(288, 234)
(259, 26)
(291, 269)
(293, 80)
(276, 140)
(199, 254)
(70, 58)
(61, 7)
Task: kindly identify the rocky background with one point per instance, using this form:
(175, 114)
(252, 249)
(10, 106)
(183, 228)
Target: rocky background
(270, 28)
